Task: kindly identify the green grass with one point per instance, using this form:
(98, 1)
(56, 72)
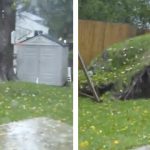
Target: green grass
(124, 60)
(19, 100)
(113, 125)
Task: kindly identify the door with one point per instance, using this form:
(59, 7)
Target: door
(49, 65)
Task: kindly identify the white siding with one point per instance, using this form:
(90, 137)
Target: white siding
(46, 64)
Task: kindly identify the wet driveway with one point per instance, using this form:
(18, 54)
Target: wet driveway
(36, 134)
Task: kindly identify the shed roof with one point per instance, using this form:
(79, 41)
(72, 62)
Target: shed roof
(42, 40)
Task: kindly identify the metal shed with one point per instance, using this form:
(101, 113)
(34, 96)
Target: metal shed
(42, 60)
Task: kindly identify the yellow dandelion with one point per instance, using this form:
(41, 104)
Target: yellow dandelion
(115, 142)
(84, 144)
(145, 111)
(100, 131)
(93, 127)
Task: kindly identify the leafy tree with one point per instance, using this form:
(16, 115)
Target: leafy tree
(58, 15)
(135, 12)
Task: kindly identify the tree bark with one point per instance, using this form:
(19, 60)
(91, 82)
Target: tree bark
(7, 25)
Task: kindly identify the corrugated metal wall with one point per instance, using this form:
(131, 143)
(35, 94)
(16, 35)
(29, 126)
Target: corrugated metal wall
(42, 64)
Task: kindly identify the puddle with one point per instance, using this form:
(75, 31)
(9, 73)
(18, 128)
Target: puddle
(36, 134)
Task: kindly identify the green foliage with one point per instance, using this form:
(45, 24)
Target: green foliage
(59, 16)
(126, 11)
(20, 100)
(24, 3)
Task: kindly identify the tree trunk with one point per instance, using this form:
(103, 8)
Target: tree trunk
(7, 25)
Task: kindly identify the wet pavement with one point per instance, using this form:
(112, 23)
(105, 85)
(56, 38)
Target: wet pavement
(36, 134)
(146, 147)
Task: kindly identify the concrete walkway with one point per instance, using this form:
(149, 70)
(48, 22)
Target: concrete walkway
(36, 134)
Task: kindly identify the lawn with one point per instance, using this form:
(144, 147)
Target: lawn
(20, 100)
(113, 125)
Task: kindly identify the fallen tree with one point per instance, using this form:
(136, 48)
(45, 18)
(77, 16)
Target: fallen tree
(125, 64)
(139, 87)
(85, 89)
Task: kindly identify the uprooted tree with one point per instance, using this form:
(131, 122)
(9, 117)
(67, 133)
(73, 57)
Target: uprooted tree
(139, 86)
(7, 25)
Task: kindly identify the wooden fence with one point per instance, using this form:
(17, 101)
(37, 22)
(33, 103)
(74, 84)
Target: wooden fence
(95, 36)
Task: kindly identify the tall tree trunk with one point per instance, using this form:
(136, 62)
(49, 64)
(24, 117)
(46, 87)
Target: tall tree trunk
(7, 25)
